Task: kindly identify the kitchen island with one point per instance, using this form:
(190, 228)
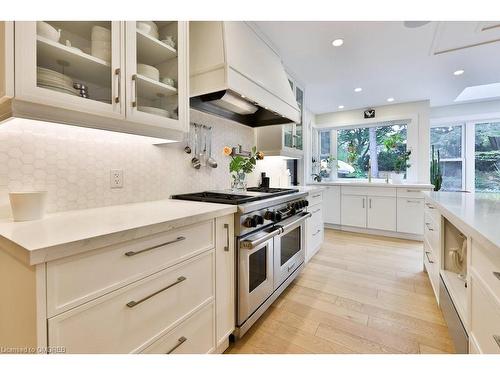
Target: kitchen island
(468, 225)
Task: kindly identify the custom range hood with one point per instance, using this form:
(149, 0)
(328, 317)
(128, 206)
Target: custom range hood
(236, 75)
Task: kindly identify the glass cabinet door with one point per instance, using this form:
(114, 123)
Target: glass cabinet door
(73, 63)
(299, 96)
(156, 69)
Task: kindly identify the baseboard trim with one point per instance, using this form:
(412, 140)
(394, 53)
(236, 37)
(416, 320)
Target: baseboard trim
(385, 233)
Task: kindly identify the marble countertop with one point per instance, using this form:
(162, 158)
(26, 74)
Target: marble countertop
(66, 233)
(478, 213)
(365, 183)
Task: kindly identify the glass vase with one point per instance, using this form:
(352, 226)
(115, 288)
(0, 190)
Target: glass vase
(239, 182)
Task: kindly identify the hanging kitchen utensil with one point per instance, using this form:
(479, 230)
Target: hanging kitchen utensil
(195, 161)
(203, 149)
(211, 162)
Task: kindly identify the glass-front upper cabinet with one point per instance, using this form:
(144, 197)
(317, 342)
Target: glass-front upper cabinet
(156, 72)
(71, 64)
(299, 96)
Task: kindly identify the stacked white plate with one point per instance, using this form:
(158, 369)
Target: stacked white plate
(154, 111)
(56, 81)
(100, 44)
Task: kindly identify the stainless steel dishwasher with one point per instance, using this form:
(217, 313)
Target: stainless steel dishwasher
(455, 327)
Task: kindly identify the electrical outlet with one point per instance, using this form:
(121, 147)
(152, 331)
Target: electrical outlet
(116, 179)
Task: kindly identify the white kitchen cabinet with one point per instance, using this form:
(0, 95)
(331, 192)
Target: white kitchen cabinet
(144, 93)
(410, 215)
(284, 140)
(40, 61)
(381, 213)
(314, 225)
(353, 210)
(118, 98)
(331, 205)
(225, 281)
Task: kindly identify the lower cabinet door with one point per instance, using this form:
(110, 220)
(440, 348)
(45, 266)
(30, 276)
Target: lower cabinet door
(353, 210)
(410, 215)
(225, 282)
(331, 205)
(193, 336)
(382, 213)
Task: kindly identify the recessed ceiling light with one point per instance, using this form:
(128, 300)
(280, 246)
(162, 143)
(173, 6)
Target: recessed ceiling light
(341, 107)
(459, 72)
(390, 99)
(338, 42)
(358, 89)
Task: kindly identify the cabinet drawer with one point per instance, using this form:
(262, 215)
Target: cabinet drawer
(432, 233)
(74, 280)
(432, 268)
(485, 318)
(410, 192)
(315, 197)
(130, 318)
(410, 214)
(486, 262)
(317, 214)
(374, 191)
(431, 210)
(195, 335)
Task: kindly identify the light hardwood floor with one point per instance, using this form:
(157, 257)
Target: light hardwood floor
(358, 294)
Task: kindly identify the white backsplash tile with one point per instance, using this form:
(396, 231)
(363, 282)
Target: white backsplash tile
(73, 164)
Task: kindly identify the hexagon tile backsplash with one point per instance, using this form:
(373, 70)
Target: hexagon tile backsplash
(73, 164)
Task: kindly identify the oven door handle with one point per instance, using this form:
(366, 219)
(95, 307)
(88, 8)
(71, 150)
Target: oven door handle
(249, 244)
(302, 217)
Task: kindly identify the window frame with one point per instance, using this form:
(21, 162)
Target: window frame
(463, 148)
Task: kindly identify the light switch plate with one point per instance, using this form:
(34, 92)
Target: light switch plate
(116, 179)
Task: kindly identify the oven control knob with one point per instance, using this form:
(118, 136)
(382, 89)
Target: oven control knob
(249, 222)
(258, 219)
(270, 215)
(306, 203)
(278, 216)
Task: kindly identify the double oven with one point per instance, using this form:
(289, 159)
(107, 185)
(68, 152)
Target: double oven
(268, 260)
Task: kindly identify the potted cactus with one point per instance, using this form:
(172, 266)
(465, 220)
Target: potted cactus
(436, 174)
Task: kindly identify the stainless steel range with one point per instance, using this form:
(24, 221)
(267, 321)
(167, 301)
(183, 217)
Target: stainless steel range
(270, 243)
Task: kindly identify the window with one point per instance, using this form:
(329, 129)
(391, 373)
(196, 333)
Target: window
(487, 156)
(472, 168)
(360, 148)
(357, 148)
(449, 141)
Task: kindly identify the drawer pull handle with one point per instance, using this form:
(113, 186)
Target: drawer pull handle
(429, 206)
(317, 210)
(427, 255)
(496, 274)
(132, 253)
(318, 231)
(291, 267)
(413, 191)
(316, 196)
(226, 227)
(410, 201)
(135, 303)
(181, 341)
(428, 225)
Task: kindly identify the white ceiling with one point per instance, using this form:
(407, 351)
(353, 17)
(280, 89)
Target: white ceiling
(386, 59)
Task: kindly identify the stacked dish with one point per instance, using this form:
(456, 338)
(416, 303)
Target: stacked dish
(148, 27)
(48, 31)
(53, 80)
(154, 111)
(148, 71)
(100, 45)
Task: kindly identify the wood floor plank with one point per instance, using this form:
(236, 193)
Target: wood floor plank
(359, 294)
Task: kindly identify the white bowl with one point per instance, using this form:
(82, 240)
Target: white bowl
(47, 31)
(149, 28)
(28, 205)
(101, 34)
(148, 71)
